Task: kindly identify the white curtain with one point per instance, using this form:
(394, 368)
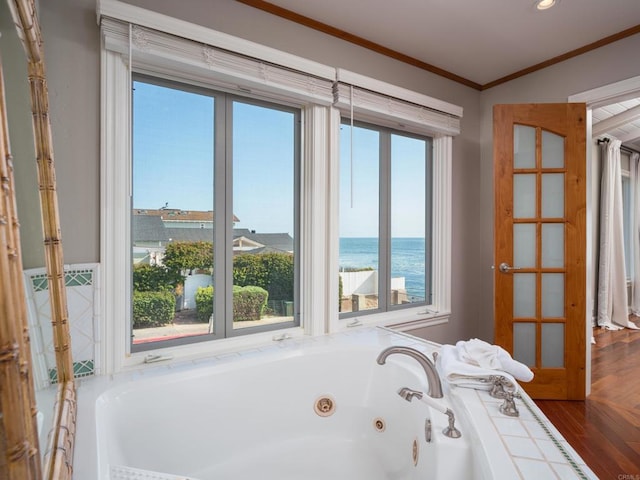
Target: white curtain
(634, 170)
(612, 279)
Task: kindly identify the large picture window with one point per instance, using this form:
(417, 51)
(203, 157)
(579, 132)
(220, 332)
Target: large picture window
(214, 214)
(385, 219)
(222, 178)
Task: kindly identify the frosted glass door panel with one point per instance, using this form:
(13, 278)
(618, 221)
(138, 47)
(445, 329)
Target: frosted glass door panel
(524, 196)
(552, 245)
(524, 295)
(552, 150)
(552, 295)
(552, 195)
(524, 343)
(524, 245)
(552, 345)
(524, 147)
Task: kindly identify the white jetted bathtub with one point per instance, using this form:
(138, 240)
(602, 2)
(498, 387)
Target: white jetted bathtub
(302, 409)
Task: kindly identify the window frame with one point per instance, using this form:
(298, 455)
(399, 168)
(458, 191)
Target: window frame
(150, 47)
(385, 198)
(223, 183)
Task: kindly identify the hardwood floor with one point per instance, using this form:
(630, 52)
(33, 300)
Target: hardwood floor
(605, 428)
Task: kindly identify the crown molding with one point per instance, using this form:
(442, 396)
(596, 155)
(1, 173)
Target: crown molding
(381, 49)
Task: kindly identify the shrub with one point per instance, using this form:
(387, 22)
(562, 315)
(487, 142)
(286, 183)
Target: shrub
(248, 303)
(279, 267)
(204, 303)
(153, 278)
(153, 309)
(248, 269)
(271, 271)
(184, 257)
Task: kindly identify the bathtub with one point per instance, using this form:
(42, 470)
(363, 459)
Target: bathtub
(306, 408)
(327, 413)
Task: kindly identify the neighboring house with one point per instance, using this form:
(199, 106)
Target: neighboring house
(248, 241)
(149, 238)
(154, 229)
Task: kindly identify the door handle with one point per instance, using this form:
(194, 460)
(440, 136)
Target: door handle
(506, 268)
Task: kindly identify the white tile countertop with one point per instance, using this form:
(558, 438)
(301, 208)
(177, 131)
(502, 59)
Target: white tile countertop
(528, 446)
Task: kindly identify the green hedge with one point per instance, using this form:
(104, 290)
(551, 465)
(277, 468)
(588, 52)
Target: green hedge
(249, 303)
(153, 278)
(271, 271)
(204, 303)
(153, 309)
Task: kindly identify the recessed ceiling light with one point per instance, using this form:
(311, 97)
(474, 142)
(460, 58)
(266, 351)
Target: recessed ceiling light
(544, 4)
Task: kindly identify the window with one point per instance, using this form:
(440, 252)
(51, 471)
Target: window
(385, 219)
(259, 170)
(214, 214)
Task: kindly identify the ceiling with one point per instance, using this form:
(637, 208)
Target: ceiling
(620, 120)
(480, 43)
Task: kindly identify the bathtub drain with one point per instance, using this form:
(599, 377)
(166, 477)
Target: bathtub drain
(325, 406)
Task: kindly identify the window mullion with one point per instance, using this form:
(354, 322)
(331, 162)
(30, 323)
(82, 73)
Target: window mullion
(384, 277)
(220, 232)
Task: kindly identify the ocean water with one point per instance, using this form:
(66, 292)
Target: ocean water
(407, 260)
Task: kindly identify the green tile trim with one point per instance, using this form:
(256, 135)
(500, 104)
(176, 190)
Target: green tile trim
(566, 455)
(72, 278)
(40, 282)
(78, 278)
(83, 369)
(80, 369)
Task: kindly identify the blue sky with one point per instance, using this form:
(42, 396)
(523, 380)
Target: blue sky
(173, 164)
(359, 218)
(173, 150)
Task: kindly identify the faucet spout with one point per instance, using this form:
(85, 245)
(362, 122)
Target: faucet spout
(433, 379)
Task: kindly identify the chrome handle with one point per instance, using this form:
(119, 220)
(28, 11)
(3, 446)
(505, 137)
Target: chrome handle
(506, 268)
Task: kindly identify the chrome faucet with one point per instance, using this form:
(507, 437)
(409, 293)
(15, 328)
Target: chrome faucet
(433, 379)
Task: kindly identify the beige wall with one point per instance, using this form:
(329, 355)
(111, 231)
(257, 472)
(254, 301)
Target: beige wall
(73, 62)
(14, 69)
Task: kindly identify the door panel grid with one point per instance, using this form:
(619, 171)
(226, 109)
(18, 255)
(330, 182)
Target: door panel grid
(539, 155)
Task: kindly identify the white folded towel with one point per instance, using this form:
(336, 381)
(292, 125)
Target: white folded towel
(464, 374)
(482, 354)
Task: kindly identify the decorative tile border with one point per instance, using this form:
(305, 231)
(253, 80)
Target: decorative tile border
(72, 278)
(80, 370)
(563, 451)
(83, 302)
(536, 449)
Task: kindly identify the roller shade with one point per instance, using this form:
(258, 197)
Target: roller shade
(395, 107)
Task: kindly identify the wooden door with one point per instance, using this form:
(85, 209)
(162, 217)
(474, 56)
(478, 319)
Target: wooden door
(540, 243)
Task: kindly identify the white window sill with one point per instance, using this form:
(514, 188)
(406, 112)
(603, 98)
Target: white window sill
(399, 320)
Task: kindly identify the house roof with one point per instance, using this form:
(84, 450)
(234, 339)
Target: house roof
(147, 228)
(189, 234)
(152, 228)
(274, 242)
